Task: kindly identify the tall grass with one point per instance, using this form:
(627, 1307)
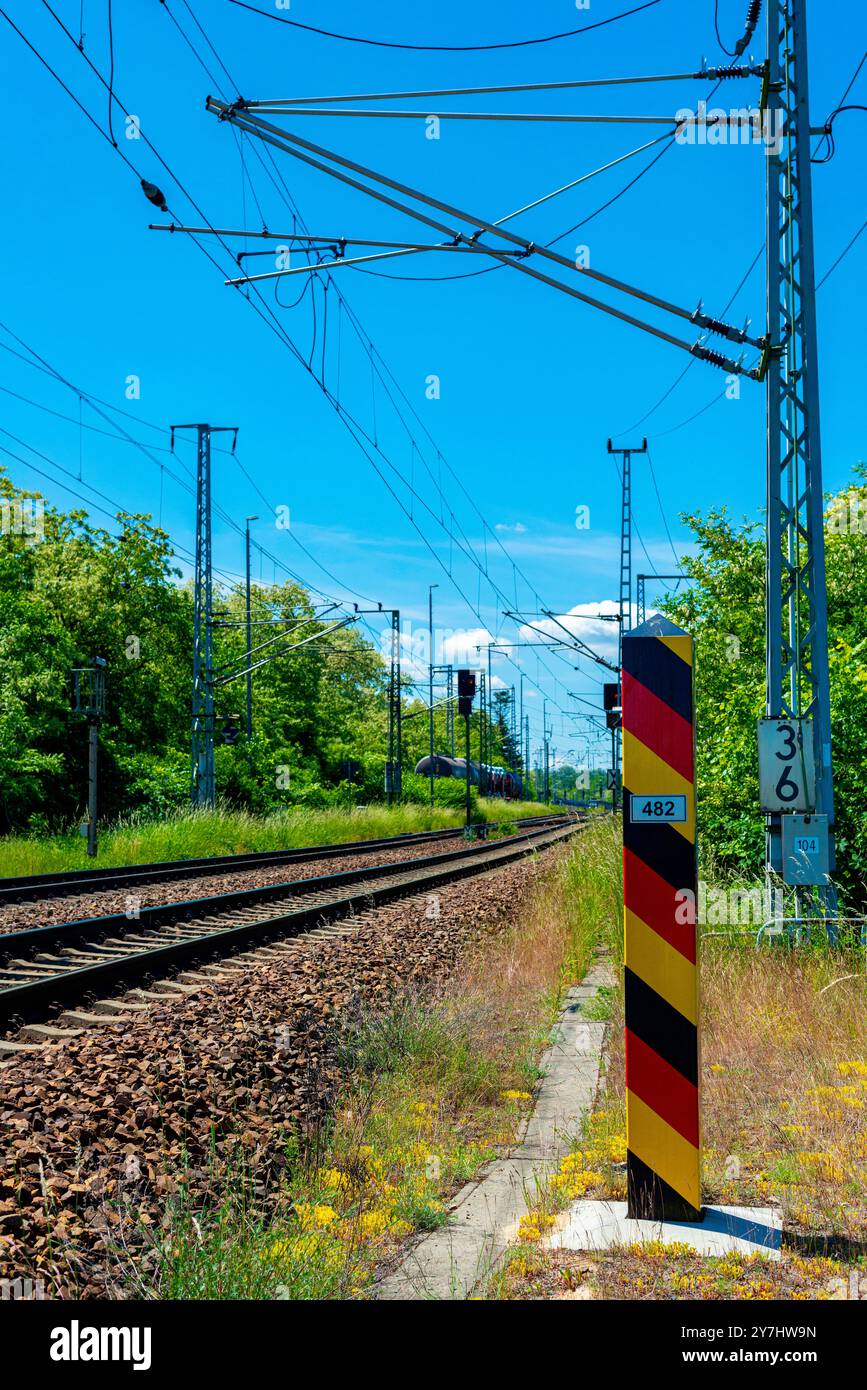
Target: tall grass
(195, 834)
(784, 1079)
(435, 1085)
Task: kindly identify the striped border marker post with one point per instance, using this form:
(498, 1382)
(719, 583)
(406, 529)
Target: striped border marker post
(660, 885)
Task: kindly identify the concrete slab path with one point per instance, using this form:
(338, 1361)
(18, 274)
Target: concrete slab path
(452, 1262)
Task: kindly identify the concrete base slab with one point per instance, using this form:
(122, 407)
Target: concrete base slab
(590, 1225)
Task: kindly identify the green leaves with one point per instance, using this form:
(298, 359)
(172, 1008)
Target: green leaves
(724, 610)
(81, 592)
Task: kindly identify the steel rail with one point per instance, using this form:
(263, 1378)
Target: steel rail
(325, 899)
(32, 887)
(161, 914)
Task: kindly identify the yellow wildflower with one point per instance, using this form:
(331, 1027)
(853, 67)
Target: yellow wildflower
(374, 1223)
(334, 1180)
(323, 1216)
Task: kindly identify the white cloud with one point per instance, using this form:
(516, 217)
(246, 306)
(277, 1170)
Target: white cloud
(517, 530)
(459, 647)
(590, 623)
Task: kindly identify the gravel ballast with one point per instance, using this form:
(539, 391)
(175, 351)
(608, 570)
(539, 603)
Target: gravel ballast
(46, 912)
(97, 1129)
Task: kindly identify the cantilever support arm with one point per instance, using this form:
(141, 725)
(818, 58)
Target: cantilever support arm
(284, 651)
(295, 144)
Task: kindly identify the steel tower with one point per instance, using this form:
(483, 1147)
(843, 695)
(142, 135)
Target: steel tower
(202, 778)
(797, 606)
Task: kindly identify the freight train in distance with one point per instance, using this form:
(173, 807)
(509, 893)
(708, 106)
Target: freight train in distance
(494, 781)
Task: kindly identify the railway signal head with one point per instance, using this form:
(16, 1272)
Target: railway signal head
(466, 692)
(611, 704)
(231, 729)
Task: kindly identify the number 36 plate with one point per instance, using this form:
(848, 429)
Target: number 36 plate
(787, 775)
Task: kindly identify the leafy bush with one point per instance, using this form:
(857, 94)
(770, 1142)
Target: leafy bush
(720, 610)
(155, 783)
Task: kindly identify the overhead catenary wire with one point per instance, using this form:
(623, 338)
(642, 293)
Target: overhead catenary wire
(661, 508)
(280, 185)
(277, 328)
(233, 578)
(829, 129)
(199, 27)
(664, 397)
(754, 9)
(721, 395)
(127, 161)
(828, 133)
(212, 46)
(68, 90)
(446, 48)
(339, 241)
(846, 249)
(358, 241)
(125, 437)
(120, 511)
(188, 7)
(697, 349)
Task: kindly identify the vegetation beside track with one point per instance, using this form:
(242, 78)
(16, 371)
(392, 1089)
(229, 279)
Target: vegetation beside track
(319, 711)
(784, 1096)
(718, 608)
(434, 1086)
(195, 834)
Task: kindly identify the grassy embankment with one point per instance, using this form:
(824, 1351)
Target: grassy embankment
(432, 1089)
(195, 834)
(784, 1097)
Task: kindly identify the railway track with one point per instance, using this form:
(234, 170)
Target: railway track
(24, 888)
(71, 971)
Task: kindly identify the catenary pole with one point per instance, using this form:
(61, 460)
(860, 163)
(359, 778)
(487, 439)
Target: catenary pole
(431, 588)
(798, 685)
(202, 771)
(249, 626)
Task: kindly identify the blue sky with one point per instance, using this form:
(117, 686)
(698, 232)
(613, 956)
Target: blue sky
(531, 382)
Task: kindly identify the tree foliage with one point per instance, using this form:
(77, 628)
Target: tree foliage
(724, 610)
(77, 591)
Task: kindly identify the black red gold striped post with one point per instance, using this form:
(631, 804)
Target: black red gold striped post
(660, 887)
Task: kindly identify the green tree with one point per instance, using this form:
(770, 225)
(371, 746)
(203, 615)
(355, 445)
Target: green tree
(724, 610)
